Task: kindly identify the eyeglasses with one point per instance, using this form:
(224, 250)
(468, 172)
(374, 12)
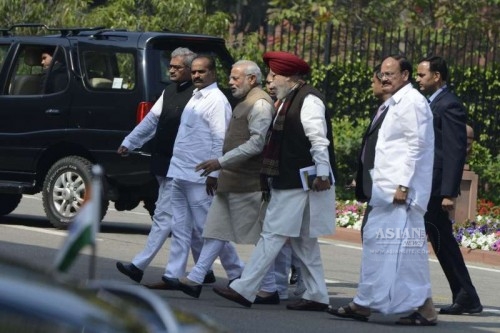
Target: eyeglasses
(176, 67)
(388, 75)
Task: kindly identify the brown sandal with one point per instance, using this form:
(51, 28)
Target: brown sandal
(416, 319)
(347, 312)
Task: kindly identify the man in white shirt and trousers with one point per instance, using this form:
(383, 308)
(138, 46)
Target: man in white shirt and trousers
(394, 274)
(200, 137)
(161, 125)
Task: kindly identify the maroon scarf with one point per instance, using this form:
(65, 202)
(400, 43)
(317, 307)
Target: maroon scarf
(271, 152)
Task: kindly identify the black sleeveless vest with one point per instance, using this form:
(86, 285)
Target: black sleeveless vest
(175, 98)
(295, 146)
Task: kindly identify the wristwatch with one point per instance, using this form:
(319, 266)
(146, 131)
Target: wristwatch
(403, 189)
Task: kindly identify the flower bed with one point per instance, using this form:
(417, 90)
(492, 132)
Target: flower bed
(483, 233)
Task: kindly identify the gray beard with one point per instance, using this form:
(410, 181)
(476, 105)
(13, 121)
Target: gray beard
(281, 93)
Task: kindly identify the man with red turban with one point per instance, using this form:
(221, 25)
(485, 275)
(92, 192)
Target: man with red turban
(299, 209)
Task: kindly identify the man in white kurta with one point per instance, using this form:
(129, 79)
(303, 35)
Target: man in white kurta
(200, 137)
(300, 137)
(394, 274)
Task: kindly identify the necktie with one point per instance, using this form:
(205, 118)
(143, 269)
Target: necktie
(380, 111)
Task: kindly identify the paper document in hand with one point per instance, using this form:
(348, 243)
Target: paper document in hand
(307, 176)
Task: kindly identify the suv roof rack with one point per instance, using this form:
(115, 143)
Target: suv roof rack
(74, 31)
(8, 31)
(99, 34)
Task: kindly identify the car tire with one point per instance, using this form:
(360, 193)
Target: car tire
(65, 190)
(9, 202)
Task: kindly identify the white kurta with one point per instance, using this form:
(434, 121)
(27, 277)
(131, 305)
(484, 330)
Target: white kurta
(395, 270)
(298, 214)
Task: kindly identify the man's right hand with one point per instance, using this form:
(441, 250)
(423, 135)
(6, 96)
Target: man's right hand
(122, 150)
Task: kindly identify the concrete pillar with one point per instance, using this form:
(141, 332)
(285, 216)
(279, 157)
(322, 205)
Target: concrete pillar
(466, 203)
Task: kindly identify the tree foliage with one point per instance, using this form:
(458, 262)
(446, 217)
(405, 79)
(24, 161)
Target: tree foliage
(480, 15)
(153, 15)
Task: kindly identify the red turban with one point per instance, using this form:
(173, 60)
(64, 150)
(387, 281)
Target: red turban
(286, 64)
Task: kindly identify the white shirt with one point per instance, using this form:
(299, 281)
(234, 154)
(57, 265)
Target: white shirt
(404, 153)
(437, 92)
(312, 117)
(259, 120)
(201, 133)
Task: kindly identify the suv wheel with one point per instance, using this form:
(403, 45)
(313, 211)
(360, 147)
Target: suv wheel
(65, 190)
(9, 202)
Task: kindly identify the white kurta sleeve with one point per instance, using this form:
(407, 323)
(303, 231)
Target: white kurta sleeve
(313, 120)
(218, 120)
(259, 120)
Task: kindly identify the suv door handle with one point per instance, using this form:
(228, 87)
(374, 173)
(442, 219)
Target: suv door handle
(53, 111)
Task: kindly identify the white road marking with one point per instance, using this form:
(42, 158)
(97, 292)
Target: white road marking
(61, 233)
(486, 269)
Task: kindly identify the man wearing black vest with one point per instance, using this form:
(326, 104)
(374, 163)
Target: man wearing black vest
(300, 208)
(449, 159)
(161, 125)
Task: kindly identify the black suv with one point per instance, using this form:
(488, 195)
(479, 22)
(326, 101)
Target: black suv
(56, 122)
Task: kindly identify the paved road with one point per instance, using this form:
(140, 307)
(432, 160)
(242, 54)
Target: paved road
(26, 234)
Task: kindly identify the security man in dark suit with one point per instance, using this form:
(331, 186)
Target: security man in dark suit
(366, 158)
(449, 159)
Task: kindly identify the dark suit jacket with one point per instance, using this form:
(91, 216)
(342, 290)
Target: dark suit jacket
(363, 179)
(450, 143)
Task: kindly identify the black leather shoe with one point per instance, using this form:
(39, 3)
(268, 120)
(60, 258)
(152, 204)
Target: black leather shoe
(457, 309)
(190, 288)
(272, 299)
(165, 284)
(210, 277)
(131, 271)
(306, 305)
(233, 296)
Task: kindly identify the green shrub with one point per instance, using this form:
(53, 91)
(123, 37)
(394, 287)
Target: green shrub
(487, 167)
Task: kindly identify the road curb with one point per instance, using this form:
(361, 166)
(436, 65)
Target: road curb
(470, 256)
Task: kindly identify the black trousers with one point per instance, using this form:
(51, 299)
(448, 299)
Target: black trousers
(439, 230)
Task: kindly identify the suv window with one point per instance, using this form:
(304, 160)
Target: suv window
(222, 69)
(31, 78)
(109, 69)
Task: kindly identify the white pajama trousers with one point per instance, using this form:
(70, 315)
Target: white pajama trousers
(212, 248)
(160, 229)
(263, 256)
(190, 204)
(282, 269)
(161, 225)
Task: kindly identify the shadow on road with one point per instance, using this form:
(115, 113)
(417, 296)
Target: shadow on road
(106, 227)
(26, 220)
